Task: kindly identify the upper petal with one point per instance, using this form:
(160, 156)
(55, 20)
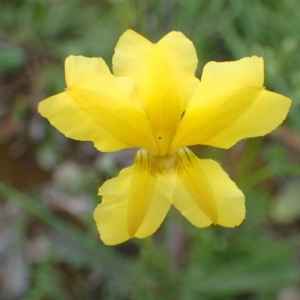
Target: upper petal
(135, 203)
(99, 107)
(164, 78)
(230, 104)
(205, 194)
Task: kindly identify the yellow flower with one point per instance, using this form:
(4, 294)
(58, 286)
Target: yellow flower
(154, 102)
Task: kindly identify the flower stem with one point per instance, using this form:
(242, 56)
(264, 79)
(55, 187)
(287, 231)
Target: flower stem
(141, 273)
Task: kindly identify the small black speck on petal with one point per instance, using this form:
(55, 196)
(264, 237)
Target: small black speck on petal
(182, 115)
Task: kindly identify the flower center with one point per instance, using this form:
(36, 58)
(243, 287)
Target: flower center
(161, 164)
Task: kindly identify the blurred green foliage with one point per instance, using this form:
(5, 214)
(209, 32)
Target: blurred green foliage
(49, 184)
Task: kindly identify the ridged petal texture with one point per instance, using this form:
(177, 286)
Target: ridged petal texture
(164, 77)
(230, 104)
(205, 194)
(135, 203)
(99, 107)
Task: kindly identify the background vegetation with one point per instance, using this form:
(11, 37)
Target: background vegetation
(49, 247)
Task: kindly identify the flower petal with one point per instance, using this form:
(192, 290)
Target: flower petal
(229, 105)
(99, 107)
(205, 194)
(164, 78)
(135, 203)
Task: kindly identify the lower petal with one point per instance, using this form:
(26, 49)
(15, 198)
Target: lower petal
(135, 203)
(205, 194)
